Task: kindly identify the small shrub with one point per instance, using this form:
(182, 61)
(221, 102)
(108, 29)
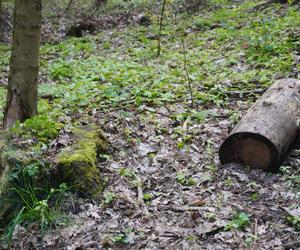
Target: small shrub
(61, 71)
(238, 222)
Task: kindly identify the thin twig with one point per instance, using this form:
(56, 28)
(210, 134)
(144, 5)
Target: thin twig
(181, 208)
(145, 109)
(7, 22)
(89, 244)
(141, 198)
(187, 72)
(245, 92)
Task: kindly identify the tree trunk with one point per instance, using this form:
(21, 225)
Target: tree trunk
(264, 135)
(21, 102)
(1, 20)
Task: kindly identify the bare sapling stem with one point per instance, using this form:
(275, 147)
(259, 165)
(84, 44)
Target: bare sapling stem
(160, 26)
(187, 74)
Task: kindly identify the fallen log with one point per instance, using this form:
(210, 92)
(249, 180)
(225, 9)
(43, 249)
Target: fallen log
(265, 134)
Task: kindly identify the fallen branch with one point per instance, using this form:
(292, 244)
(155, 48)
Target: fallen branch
(145, 109)
(180, 209)
(244, 92)
(292, 245)
(90, 244)
(266, 4)
(7, 23)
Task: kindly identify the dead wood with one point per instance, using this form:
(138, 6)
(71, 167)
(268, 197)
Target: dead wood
(264, 135)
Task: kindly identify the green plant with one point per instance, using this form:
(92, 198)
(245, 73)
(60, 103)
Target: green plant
(211, 168)
(210, 216)
(125, 236)
(253, 184)
(109, 197)
(296, 182)
(240, 221)
(234, 117)
(250, 240)
(126, 172)
(183, 179)
(131, 176)
(41, 127)
(180, 145)
(203, 24)
(254, 196)
(61, 71)
(36, 207)
(228, 182)
(285, 169)
(147, 197)
(190, 238)
(120, 239)
(294, 221)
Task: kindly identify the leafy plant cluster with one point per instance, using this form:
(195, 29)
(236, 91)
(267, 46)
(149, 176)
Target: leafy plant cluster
(294, 221)
(40, 127)
(183, 179)
(38, 205)
(240, 221)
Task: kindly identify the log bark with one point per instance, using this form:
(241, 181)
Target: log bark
(264, 135)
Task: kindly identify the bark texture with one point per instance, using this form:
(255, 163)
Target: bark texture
(21, 101)
(1, 20)
(264, 135)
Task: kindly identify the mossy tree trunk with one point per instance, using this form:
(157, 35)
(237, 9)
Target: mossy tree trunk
(21, 102)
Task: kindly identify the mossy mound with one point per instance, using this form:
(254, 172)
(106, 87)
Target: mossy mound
(10, 159)
(77, 164)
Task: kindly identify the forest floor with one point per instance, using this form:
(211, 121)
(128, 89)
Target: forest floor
(165, 187)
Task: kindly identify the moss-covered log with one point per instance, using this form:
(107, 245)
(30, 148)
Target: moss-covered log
(78, 164)
(264, 135)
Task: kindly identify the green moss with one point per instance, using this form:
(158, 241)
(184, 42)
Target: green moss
(41, 127)
(77, 166)
(78, 163)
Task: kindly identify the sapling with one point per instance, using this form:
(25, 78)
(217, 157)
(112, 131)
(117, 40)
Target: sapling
(188, 78)
(160, 26)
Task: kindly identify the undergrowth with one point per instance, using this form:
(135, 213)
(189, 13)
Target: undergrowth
(38, 206)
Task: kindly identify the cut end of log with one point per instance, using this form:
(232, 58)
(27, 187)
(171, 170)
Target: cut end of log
(250, 149)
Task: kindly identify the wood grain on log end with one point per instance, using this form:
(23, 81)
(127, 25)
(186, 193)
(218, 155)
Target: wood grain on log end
(250, 149)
